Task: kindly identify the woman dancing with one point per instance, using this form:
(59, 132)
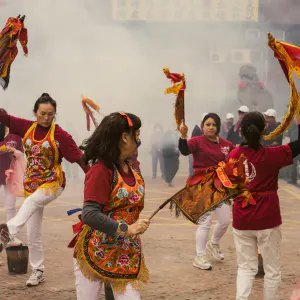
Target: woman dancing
(108, 247)
(207, 150)
(256, 225)
(46, 144)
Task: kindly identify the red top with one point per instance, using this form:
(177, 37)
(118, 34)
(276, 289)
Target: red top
(10, 140)
(262, 168)
(98, 182)
(207, 153)
(66, 145)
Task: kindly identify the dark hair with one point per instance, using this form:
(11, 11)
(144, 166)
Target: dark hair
(252, 127)
(216, 118)
(3, 110)
(44, 99)
(104, 144)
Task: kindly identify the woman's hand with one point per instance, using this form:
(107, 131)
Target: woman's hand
(139, 227)
(183, 129)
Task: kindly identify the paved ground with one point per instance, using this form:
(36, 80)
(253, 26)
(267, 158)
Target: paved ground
(169, 249)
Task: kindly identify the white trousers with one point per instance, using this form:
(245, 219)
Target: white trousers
(247, 243)
(31, 214)
(223, 221)
(10, 204)
(90, 290)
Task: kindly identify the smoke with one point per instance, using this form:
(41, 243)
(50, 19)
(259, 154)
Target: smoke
(75, 48)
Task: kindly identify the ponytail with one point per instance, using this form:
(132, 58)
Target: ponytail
(252, 128)
(252, 136)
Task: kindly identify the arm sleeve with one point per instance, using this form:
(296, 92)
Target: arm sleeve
(183, 147)
(82, 165)
(279, 156)
(67, 146)
(92, 216)
(16, 126)
(295, 146)
(97, 185)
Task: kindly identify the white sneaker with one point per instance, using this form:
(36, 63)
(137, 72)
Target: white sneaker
(215, 250)
(36, 278)
(202, 263)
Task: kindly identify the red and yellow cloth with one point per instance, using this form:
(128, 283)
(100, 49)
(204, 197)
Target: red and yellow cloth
(13, 31)
(178, 88)
(289, 58)
(217, 186)
(88, 105)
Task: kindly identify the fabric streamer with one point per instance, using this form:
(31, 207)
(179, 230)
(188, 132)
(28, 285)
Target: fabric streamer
(88, 106)
(217, 186)
(289, 58)
(178, 88)
(13, 31)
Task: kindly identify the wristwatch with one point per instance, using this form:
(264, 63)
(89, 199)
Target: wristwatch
(123, 227)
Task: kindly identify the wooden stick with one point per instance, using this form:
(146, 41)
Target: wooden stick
(160, 208)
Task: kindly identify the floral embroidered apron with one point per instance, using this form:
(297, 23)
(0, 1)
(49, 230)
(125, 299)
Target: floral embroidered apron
(117, 259)
(43, 170)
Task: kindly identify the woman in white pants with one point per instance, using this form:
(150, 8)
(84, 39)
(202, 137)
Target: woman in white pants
(256, 222)
(45, 145)
(207, 150)
(108, 247)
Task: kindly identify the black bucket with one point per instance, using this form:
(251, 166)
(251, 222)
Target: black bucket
(17, 259)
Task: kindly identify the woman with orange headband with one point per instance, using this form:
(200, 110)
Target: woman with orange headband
(108, 246)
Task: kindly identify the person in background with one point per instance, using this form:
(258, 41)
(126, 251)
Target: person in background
(197, 131)
(293, 136)
(156, 138)
(14, 141)
(170, 156)
(234, 135)
(270, 116)
(227, 125)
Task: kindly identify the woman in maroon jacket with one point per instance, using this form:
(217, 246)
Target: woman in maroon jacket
(207, 150)
(257, 224)
(46, 144)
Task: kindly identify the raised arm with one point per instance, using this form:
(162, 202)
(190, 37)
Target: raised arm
(69, 149)
(16, 126)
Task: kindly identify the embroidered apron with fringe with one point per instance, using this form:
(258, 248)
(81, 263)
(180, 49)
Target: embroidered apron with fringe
(43, 171)
(116, 260)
